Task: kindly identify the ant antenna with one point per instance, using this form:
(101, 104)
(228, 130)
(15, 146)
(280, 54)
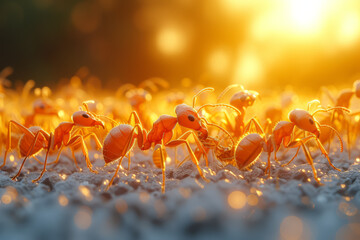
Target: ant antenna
(201, 91)
(226, 90)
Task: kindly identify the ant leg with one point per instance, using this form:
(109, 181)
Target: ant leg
(58, 156)
(8, 143)
(311, 162)
(115, 174)
(126, 149)
(98, 144)
(163, 166)
(182, 162)
(159, 159)
(257, 125)
(28, 154)
(348, 124)
(332, 121)
(46, 157)
(227, 121)
(198, 143)
(323, 151)
(177, 142)
(79, 139)
(129, 162)
(74, 157)
(297, 152)
(37, 160)
(296, 143)
(176, 157)
(267, 170)
(136, 117)
(97, 141)
(86, 154)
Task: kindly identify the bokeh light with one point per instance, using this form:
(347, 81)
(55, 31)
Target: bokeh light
(170, 41)
(83, 218)
(255, 43)
(237, 199)
(291, 228)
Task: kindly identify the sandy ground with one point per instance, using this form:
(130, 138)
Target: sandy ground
(68, 204)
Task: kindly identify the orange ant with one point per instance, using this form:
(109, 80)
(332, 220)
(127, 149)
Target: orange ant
(41, 106)
(120, 139)
(343, 100)
(241, 101)
(34, 139)
(250, 146)
(139, 95)
(222, 153)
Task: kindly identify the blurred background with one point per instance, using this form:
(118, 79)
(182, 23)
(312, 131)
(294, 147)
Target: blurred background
(260, 44)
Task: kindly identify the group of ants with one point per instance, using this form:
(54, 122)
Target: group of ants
(238, 141)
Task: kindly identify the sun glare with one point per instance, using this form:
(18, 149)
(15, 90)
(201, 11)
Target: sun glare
(306, 15)
(349, 31)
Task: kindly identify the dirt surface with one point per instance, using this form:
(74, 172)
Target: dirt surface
(68, 204)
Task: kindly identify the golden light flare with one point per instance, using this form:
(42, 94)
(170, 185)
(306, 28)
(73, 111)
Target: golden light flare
(291, 22)
(9, 196)
(349, 29)
(291, 228)
(348, 209)
(168, 160)
(106, 182)
(86, 192)
(252, 200)
(63, 201)
(237, 199)
(306, 15)
(83, 218)
(171, 40)
(6, 199)
(63, 176)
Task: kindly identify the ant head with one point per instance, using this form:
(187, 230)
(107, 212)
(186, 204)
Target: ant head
(86, 119)
(138, 96)
(243, 99)
(305, 121)
(188, 117)
(42, 106)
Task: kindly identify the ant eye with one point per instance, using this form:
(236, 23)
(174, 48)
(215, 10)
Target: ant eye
(85, 115)
(311, 121)
(191, 118)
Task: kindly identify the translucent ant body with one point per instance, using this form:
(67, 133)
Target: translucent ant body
(250, 146)
(34, 139)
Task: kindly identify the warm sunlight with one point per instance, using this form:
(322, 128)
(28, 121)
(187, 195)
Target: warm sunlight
(171, 40)
(218, 62)
(306, 15)
(248, 69)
